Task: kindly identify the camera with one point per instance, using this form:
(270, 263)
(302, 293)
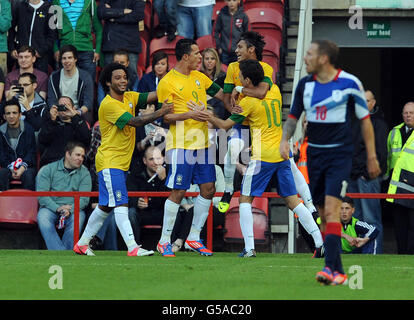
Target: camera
(19, 89)
(62, 107)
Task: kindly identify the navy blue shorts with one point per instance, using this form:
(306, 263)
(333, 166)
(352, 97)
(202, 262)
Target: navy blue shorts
(186, 167)
(112, 187)
(259, 173)
(328, 169)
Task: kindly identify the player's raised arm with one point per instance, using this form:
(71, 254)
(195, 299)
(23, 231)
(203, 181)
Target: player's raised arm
(139, 121)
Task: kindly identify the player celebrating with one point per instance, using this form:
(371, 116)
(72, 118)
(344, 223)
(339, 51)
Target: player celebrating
(250, 46)
(329, 96)
(187, 144)
(117, 125)
(265, 121)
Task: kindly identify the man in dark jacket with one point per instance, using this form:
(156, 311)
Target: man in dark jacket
(17, 149)
(369, 210)
(121, 19)
(231, 23)
(59, 128)
(30, 26)
(149, 177)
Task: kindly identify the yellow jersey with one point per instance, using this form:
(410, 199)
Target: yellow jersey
(232, 77)
(117, 138)
(265, 120)
(179, 89)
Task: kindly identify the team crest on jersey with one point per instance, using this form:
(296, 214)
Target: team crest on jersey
(239, 23)
(118, 195)
(197, 83)
(131, 106)
(337, 95)
(179, 179)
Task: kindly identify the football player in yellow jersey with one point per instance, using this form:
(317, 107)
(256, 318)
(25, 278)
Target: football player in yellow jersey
(250, 46)
(187, 144)
(117, 125)
(265, 120)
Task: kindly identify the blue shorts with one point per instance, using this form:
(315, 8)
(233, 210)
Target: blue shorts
(327, 169)
(186, 167)
(259, 173)
(112, 187)
(241, 132)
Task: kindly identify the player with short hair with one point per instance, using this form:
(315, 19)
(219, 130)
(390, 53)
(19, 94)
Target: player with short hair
(187, 144)
(329, 96)
(265, 121)
(117, 124)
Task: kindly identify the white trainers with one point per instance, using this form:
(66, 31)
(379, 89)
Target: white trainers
(140, 252)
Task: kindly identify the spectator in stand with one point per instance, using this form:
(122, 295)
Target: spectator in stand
(2, 80)
(66, 174)
(211, 67)
(166, 11)
(61, 126)
(160, 67)
(5, 24)
(79, 19)
(369, 210)
(121, 20)
(73, 82)
(26, 57)
(149, 177)
(194, 18)
(32, 105)
(17, 149)
(401, 171)
(357, 236)
(107, 235)
(230, 24)
(121, 56)
(39, 34)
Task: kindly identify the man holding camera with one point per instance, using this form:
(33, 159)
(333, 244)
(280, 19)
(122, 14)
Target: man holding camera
(32, 105)
(63, 124)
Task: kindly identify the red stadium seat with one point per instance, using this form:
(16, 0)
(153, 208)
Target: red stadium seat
(206, 42)
(143, 58)
(232, 230)
(18, 212)
(271, 52)
(162, 44)
(268, 18)
(264, 4)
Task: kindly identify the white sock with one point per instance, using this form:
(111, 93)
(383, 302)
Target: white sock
(246, 225)
(93, 226)
(124, 226)
(302, 186)
(234, 147)
(307, 222)
(170, 214)
(201, 209)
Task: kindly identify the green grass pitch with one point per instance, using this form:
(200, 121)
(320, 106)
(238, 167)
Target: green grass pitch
(29, 275)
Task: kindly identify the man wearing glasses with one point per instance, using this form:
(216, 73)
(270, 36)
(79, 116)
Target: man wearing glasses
(32, 105)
